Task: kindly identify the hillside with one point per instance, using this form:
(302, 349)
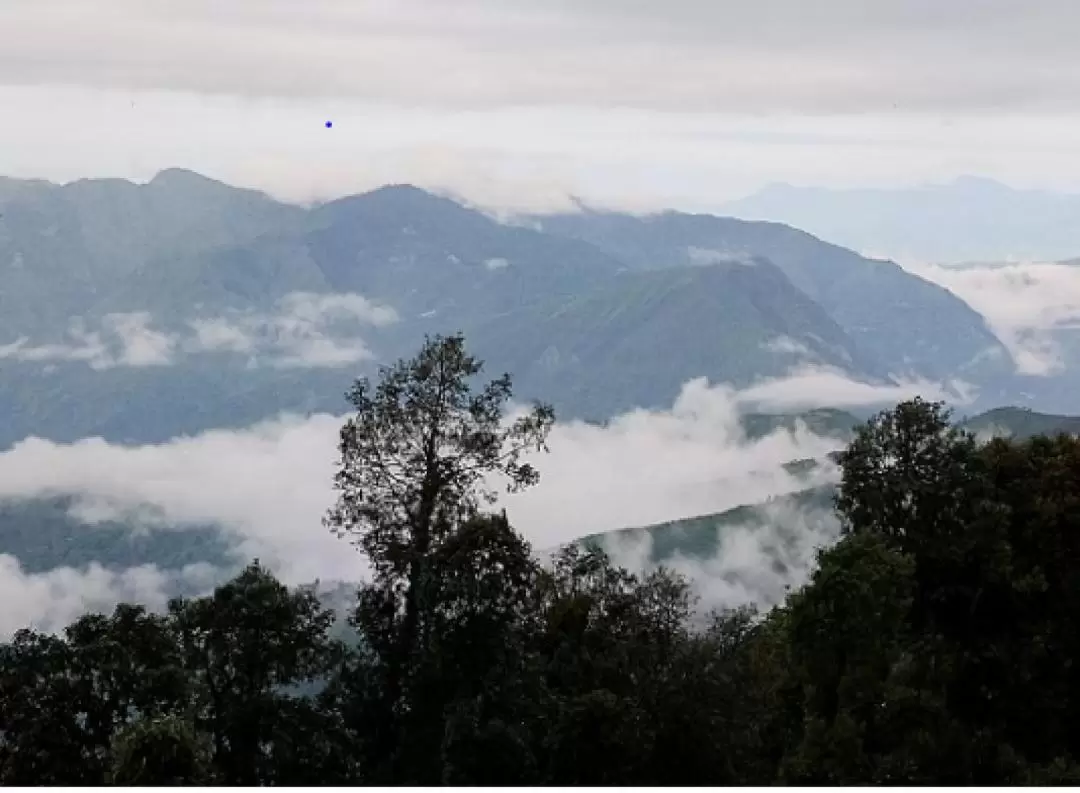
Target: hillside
(968, 219)
(907, 324)
(138, 312)
(700, 538)
(43, 534)
(634, 341)
(827, 422)
(1013, 422)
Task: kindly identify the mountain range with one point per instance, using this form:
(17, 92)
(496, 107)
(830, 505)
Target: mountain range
(968, 219)
(141, 311)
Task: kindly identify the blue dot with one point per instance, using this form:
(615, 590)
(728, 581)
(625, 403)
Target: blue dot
(329, 124)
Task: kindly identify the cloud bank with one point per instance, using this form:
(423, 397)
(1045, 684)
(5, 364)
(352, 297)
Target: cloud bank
(307, 331)
(1033, 307)
(269, 485)
(124, 339)
(49, 601)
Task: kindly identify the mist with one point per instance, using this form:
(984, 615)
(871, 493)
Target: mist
(269, 485)
(1028, 305)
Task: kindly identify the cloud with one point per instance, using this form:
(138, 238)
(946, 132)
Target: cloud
(51, 600)
(307, 331)
(132, 343)
(1031, 306)
(786, 345)
(219, 335)
(298, 334)
(139, 344)
(775, 55)
(811, 385)
(756, 563)
(704, 257)
(646, 467)
(301, 334)
(269, 485)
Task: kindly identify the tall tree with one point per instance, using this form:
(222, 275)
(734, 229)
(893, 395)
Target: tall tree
(419, 459)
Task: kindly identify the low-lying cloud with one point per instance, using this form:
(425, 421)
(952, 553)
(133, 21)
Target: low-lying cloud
(811, 385)
(269, 485)
(306, 330)
(1030, 306)
(48, 601)
(755, 564)
(124, 339)
(300, 335)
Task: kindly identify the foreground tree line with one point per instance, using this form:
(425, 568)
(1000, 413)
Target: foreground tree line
(934, 644)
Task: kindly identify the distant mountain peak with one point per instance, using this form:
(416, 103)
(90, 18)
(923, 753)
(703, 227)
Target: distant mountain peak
(402, 201)
(180, 177)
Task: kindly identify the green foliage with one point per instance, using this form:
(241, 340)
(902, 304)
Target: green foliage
(159, 752)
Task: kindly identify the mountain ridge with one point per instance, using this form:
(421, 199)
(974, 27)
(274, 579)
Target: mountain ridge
(204, 251)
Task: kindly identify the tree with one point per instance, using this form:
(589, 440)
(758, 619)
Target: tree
(906, 474)
(42, 737)
(991, 532)
(848, 635)
(244, 647)
(159, 751)
(63, 699)
(631, 689)
(417, 463)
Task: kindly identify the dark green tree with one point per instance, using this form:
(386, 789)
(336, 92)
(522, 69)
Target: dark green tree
(244, 648)
(418, 461)
(42, 736)
(984, 685)
(63, 699)
(636, 694)
(160, 751)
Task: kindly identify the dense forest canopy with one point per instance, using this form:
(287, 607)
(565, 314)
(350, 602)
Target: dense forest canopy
(934, 643)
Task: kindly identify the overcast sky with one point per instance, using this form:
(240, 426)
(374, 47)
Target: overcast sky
(685, 102)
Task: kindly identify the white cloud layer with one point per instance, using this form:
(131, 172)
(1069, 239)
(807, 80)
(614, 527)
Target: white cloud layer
(1031, 306)
(308, 331)
(810, 386)
(48, 601)
(271, 484)
(125, 339)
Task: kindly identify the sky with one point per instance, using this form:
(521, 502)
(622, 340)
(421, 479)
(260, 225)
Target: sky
(620, 102)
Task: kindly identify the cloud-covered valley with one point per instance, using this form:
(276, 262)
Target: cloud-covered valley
(269, 485)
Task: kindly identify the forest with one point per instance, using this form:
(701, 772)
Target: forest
(933, 644)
